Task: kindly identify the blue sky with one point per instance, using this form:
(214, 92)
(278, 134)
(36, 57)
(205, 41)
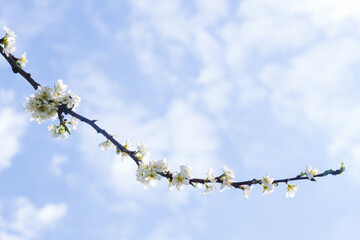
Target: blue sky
(263, 87)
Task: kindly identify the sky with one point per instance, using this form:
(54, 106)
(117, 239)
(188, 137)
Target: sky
(264, 87)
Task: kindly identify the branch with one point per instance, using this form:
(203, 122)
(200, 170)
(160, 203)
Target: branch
(148, 170)
(17, 69)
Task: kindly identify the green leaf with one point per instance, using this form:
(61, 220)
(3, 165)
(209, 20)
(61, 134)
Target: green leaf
(67, 129)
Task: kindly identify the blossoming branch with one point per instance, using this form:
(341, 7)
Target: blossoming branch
(51, 103)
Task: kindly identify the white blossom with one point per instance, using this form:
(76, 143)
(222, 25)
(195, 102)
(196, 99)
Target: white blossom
(74, 122)
(72, 100)
(310, 172)
(44, 104)
(210, 176)
(146, 175)
(58, 131)
(227, 178)
(8, 41)
(160, 166)
(182, 178)
(59, 89)
(291, 190)
(246, 190)
(23, 60)
(209, 189)
(9, 32)
(150, 171)
(268, 186)
(142, 152)
(127, 145)
(106, 145)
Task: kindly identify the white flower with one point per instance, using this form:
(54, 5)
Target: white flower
(227, 178)
(59, 89)
(291, 190)
(142, 153)
(44, 104)
(127, 145)
(149, 171)
(246, 191)
(22, 60)
(9, 32)
(8, 41)
(268, 187)
(228, 172)
(58, 131)
(186, 172)
(74, 122)
(72, 100)
(210, 176)
(146, 175)
(41, 105)
(182, 178)
(209, 189)
(310, 172)
(106, 145)
(160, 166)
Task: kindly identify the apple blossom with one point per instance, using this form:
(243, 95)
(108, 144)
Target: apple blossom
(310, 172)
(267, 183)
(58, 131)
(22, 60)
(227, 178)
(246, 190)
(210, 176)
(8, 41)
(106, 145)
(149, 171)
(209, 189)
(291, 190)
(142, 152)
(182, 178)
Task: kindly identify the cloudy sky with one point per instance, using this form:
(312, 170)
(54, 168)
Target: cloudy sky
(265, 87)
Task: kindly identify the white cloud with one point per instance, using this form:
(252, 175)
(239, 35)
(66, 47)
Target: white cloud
(28, 222)
(311, 44)
(55, 165)
(33, 17)
(12, 128)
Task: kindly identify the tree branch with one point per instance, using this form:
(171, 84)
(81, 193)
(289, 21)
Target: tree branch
(16, 69)
(132, 154)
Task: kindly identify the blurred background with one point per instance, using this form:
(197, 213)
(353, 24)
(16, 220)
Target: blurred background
(265, 87)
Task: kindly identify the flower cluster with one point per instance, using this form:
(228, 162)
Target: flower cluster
(8, 42)
(63, 130)
(149, 172)
(44, 106)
